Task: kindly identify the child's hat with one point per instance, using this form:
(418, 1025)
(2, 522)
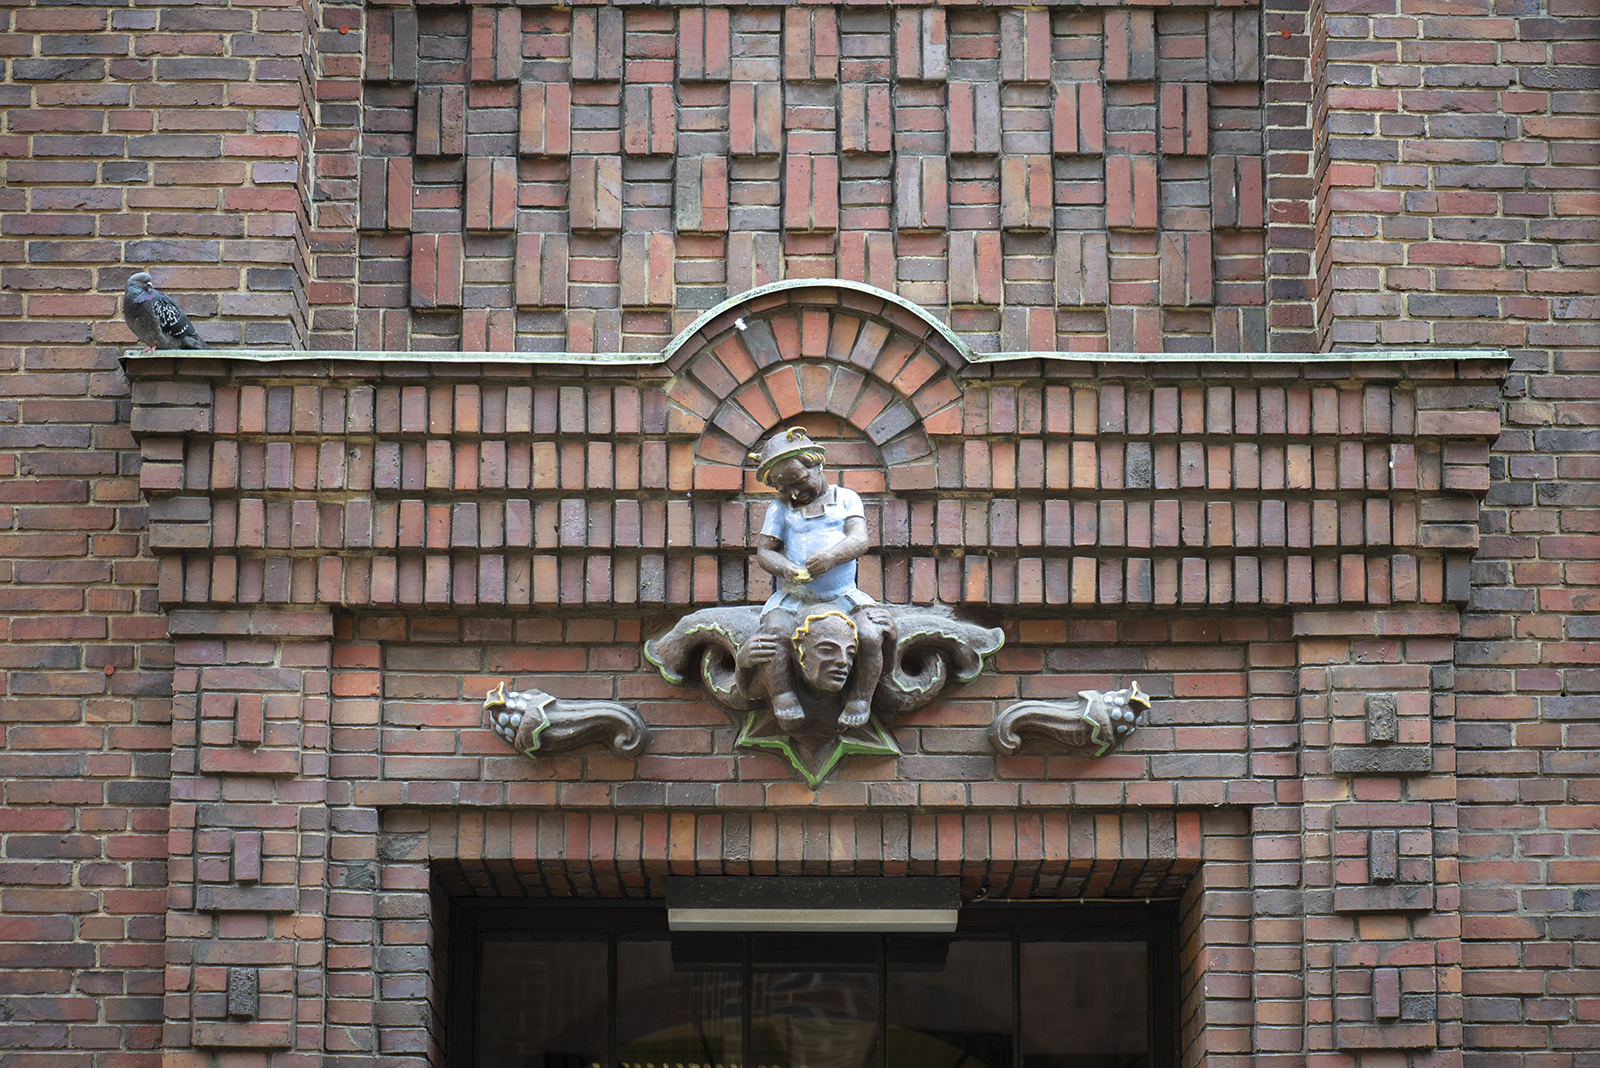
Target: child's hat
(781, 446)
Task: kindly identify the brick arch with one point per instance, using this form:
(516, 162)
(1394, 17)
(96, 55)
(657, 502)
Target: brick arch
(876, 363)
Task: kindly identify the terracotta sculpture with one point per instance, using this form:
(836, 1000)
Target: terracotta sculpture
(816, 668)
(1091, 725)
(810, 540)
(534, 723)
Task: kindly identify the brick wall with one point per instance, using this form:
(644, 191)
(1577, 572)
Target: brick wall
(1428, 180)
(1460, 205)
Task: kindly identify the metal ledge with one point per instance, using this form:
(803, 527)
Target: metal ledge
(649, 359)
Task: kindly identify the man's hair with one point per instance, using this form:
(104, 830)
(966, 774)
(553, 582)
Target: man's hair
(804, 629)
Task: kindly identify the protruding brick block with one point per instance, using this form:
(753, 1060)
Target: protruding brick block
(596, 44)
(1185, 269)
(922, 197)
(1184, 123)
(441, 120)
(1233, 45)
(391, 45)
(1133, 330)
(1083, 268)
(488, 330)
(700, 195)
(1079, 119)
(810, 44)
(1025, 45)
(811, 192)
(1025, 329)
(496, 44)
(649, 125)
(491, 199)
(1237, 190)
(436, 270)
(974, 115)
(249, 719)
(755, 119)
(246, 856)
(545, 122)
(866, 119)
(541, 279)
(754, 259)
(977, 267)
(1386, 994)
(921, 51)
(647, 269)
(867, 256)
(1239, 330)
(1027, 194)
(594, 330)
(704, 44)
(1130, 45)
(1131, 192)
(596, 193)
(386, 193)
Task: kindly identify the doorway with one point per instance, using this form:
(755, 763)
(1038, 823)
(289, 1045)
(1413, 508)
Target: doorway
(1028, 985)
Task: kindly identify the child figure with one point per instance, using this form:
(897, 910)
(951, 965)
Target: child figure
(810, 540)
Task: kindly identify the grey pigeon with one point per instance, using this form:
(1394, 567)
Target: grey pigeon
(155, 318)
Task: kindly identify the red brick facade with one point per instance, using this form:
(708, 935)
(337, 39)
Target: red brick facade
(252, 603)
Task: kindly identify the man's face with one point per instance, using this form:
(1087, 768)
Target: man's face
(795, 482)
(827, 653)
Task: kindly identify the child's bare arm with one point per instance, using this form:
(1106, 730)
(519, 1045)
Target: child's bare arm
(852, 545)
(769, 554)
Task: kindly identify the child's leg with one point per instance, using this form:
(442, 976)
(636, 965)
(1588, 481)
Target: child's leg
(868, 669)
(778, 673)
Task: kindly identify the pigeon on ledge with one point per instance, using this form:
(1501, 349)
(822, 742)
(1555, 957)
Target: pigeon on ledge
(155, 318)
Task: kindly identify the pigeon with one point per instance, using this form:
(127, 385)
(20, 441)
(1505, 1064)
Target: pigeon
(155, 318)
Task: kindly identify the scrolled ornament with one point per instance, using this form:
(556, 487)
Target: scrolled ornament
(536, 724)
(1092, 725)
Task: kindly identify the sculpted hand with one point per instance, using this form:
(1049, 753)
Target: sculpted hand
(879, 615)
(757, 650)
(819, 562)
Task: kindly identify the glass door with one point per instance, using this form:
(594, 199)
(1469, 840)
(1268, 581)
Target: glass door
(1020, 987)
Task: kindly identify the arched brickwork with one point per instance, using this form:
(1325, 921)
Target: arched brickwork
(881, 366)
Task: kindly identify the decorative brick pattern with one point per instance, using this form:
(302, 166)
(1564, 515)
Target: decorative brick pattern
(1255, 493)
(1357, 898)
(807, 124)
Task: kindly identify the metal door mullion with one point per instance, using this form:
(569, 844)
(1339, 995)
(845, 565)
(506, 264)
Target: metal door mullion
(747, 1007)
(1016, 999)
(883, 1001)
(612, 1056)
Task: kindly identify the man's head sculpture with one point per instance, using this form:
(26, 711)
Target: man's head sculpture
(825, 648)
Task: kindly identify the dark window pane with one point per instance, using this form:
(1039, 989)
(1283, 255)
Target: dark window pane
(671, 1017)
(814, 1019)
(1085, 1005)
(957, 1018)
(542, 1004)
